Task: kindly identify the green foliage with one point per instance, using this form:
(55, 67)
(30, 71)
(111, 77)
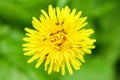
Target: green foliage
(103, 16)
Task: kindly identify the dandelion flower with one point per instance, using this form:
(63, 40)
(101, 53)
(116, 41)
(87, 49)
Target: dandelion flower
(59, 40)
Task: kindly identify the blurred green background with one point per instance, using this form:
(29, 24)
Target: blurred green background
(103, 17)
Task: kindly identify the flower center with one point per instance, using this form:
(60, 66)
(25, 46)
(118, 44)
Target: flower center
(58, 39)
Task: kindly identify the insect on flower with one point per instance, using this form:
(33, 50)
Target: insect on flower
(59, 40)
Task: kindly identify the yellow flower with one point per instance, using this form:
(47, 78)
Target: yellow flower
(58, 40)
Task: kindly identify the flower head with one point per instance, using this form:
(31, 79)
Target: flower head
(59, 40)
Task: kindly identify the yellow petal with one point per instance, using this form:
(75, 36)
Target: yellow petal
(39, 62)
(63, 68)
(69, 67)
(50, 67)
(45, 14)
(36, 56)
